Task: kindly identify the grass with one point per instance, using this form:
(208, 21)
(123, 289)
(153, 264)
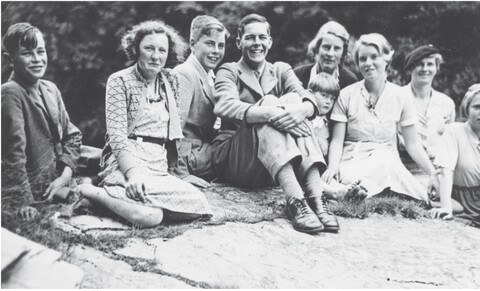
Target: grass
(387, 205)
(43, 230)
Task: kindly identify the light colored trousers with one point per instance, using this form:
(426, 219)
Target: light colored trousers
(252, 156)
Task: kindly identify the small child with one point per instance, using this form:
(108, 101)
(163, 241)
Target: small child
(40, 146)
(326, 91)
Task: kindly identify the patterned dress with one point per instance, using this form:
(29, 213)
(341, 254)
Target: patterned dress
(132, 110)
(370, 148)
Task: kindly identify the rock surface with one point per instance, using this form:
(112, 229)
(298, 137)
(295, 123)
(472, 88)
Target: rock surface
(107, 273)
(379, 252)
(249, 244)
(29, 265)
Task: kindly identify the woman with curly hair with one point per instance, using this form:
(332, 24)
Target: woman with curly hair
(143, 127)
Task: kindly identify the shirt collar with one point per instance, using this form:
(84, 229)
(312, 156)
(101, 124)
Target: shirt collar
(261, 69)
(316, 70)
(24, 83)
(210, 73)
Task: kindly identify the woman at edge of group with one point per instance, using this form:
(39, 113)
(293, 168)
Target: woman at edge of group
(435, 110)
(142, 129)
(458, 157)
(366, 115)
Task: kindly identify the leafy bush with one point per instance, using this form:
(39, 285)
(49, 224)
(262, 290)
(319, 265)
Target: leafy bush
(83, 39)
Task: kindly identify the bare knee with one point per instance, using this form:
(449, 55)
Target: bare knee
(87, 190)
(456, 207)
(146, 217)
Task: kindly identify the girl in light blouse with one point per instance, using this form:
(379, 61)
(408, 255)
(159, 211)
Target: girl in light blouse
(458, 157)
(435, 110)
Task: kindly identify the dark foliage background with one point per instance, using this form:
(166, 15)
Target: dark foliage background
(83, 39)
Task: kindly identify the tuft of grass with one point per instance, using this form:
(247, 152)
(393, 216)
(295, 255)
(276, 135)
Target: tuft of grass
(43, 231)
(224, 285)
(384, 205)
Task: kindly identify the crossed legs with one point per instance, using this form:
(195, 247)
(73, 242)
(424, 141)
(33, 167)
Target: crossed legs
(139, 215)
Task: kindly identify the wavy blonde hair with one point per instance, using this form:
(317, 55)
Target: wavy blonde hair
(467, 100)
(376, 40)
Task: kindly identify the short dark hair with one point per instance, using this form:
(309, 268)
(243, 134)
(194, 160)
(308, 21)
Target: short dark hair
(20, 34)
(176, 45)
(251, 18)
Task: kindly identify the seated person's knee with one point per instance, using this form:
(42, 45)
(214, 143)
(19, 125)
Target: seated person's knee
(456, 207)
(291, 98)
(269, 100)
(146, 217)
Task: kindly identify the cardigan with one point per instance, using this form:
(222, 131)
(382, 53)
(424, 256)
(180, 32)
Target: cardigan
(124, 104)
(38, 139)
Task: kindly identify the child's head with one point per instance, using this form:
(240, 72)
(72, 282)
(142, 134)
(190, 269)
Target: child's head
(25, 49)
(326, 90)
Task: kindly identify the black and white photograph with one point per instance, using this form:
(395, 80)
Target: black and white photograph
(240, 144)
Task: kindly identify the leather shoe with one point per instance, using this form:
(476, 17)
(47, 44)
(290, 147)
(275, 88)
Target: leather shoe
(302, 217)
(327, 218)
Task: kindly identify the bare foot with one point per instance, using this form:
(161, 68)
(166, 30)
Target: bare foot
(356, 192)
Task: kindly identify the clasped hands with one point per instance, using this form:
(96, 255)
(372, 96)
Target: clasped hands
(291, 118)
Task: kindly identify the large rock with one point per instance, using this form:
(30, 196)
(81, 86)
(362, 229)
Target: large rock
(247, 205)
(378, 252)
(104, 272)
(28, 265)
(92, 225)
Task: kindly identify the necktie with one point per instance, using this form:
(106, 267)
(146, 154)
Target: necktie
(211, 79)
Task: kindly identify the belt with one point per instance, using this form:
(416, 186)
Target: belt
(155, 140)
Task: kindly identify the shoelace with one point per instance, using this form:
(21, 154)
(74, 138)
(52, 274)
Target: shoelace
(304, 210)
(324, 205)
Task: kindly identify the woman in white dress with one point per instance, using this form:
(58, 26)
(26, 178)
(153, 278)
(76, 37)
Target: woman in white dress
(366, 116)
(435, 110)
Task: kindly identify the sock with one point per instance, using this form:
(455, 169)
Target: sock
(287, 180)
(313, 183)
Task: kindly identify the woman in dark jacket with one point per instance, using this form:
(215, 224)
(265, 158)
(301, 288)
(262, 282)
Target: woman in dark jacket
(329, 47)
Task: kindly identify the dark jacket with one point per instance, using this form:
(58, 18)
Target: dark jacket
(38, 139)
(345, 76)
